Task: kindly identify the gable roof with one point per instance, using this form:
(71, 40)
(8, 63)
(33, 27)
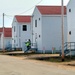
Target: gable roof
(51, 10)
(26, 19)
(7, 32)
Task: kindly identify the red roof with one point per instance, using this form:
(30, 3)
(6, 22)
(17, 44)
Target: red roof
(23, 18)
(1, 29)
(51, 10)
(7, 32)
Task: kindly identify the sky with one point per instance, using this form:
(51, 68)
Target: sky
(22, 7)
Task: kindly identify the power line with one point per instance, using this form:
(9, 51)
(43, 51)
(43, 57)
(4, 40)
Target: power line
(26, 10)
(31, 7)
(9, 15)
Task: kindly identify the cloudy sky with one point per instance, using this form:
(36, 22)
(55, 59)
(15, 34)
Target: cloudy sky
(22, 7)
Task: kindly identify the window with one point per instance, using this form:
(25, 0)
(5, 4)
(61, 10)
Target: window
(39, 36)
(14, 28)
(19, 31)
(14, 41)
(69, 10)
(69, 32)
(24, 27)
(39, 18)
(35, 23)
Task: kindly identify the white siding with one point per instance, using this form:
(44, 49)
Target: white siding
(19, 35)
(71, 20)
(0, 39)
(7, 40)
(51, 32)
(0, 42)
(37, 30)
(14, 34)
(25, 35)
(48, 30)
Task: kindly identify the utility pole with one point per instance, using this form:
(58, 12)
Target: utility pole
(62, 13)
(3, 32)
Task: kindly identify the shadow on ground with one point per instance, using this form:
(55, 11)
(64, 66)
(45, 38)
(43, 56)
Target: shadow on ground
(56, 59)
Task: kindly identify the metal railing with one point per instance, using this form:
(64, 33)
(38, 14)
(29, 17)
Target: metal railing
(69, 47)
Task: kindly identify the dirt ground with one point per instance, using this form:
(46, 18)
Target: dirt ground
(24, 65)
(64, 65)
